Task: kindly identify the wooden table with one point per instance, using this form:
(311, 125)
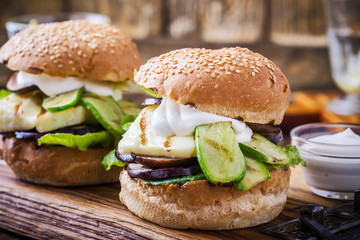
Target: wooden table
(96, 212)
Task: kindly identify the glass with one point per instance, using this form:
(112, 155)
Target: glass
(19, 23)
(298, 23)
(232, 21)
(332, 169)
(140, 19)
(343, 30)
(183, 18)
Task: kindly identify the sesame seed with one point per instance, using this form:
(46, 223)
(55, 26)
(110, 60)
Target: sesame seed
(213, 75)
(71, 62)
(207, 70)
(198, 76)
(190, 70)
(237, 71)
(60, 65)
(52, 57)
(253, 74)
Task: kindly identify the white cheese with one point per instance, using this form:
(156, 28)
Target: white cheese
(53, 86)
(49, 121)
(19, 112)
(142, 139)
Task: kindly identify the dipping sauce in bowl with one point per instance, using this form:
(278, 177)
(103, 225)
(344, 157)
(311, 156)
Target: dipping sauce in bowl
(332, 154)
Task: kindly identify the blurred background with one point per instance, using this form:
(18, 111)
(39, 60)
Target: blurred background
(291, 33)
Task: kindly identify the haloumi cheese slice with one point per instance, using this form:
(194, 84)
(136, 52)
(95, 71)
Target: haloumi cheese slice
(141, 139)
(19, 112)
(49, 121)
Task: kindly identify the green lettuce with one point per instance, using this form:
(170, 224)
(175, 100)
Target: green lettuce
(110, 160)
(82, 142)
(294, 156)
(4, 93)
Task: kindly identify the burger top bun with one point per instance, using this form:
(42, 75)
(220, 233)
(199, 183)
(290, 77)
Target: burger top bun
(72, 48)
(232, 82)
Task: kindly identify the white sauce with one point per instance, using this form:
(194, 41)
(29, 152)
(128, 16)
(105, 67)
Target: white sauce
(343, 144)
(171, 118)
(333, 164)
(53, 86)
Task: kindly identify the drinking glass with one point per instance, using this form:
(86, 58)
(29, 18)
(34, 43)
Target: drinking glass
(343, 31)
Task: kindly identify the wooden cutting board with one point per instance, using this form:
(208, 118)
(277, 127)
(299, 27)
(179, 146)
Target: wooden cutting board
(96, 212)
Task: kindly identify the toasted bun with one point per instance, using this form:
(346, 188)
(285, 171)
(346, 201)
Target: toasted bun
(232, 82)
(55, 165)
(72, 48)
(201, 205)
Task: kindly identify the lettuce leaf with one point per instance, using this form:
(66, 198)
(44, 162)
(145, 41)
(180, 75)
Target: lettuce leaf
(82, 142)
(294, 156)
(4, 93)
(110, 160)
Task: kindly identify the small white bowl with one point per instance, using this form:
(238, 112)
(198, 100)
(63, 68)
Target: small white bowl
(333, 170)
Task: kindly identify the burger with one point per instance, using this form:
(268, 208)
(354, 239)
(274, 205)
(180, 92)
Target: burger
(61, 112)
(202, 154)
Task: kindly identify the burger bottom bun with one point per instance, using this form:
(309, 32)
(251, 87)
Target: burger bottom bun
(201, 205)
(55, 165)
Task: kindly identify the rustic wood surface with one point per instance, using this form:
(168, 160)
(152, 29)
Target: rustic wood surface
(95, 212)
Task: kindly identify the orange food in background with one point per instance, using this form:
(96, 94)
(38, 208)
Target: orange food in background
(307, 107)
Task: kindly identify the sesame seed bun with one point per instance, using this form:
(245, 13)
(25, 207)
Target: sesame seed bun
(72, 48)
(232, 82)
(201, 205)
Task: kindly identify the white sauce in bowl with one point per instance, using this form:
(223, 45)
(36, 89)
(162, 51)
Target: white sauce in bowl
(333, 162)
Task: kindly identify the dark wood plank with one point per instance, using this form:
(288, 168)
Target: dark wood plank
(96, 212)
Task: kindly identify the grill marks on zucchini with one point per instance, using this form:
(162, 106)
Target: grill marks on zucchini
(106, 111)
(218, 153)
(263, 150)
